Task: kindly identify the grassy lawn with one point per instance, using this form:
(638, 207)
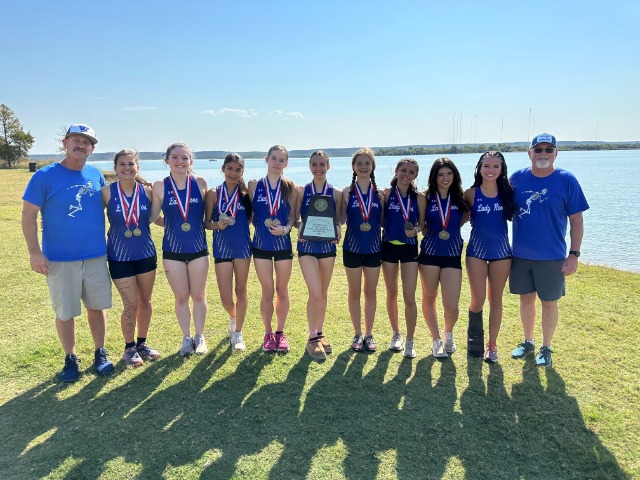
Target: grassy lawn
(368, 416)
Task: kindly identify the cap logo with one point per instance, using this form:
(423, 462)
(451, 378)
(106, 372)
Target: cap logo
(82, 128)
(544, 139)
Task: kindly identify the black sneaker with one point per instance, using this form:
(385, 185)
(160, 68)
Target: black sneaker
(147, 353)
(523, 349)
(102, 363)
(70, 372)
(543, 359)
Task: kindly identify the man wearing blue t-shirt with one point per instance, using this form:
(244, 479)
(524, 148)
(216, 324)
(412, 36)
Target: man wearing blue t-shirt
(73, 255)
(546, 197)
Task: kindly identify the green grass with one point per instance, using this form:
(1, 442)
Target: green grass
(354, 416)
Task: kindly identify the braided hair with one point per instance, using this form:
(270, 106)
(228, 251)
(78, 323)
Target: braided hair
(369, 153)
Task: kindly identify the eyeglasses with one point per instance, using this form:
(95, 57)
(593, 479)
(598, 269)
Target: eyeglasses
(547, 150)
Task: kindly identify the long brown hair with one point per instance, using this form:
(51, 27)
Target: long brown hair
(455, 190)
(242, 187)
(286, 185)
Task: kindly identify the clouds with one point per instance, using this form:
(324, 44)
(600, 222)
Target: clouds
(139, 108)
(250, 113)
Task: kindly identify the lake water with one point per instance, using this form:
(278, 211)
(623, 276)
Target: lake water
(608, 179)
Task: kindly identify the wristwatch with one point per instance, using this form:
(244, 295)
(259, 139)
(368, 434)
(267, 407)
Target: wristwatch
(575, 252)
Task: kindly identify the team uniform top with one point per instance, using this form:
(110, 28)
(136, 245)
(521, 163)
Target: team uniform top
(542, 207)
(72, 212)
(432, 244)
(234, 241)
(355, 240)
(312, 246)
(119, 247)
(263, 239)
(489, 233)
(176, 240)
(394, 221)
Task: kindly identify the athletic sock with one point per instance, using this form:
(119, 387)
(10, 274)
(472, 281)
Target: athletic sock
(141, 340)
(129, 345)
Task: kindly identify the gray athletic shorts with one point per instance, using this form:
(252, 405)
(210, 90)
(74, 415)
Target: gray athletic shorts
(542, 276)
(86, 280)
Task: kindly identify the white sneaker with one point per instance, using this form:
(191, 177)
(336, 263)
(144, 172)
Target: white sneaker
(237, 342)
(409, 350)
(396, 342)
(187, 346)
(449, 343)
(200, 344)
(231, 329)
(438, 349)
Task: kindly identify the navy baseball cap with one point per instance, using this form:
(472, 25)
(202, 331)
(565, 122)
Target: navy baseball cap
(543, 138)
(80, 129)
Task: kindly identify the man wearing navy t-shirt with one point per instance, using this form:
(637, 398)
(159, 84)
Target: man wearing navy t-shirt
(67, 196)
(546, 197)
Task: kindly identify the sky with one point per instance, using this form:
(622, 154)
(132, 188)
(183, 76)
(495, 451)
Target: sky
(245, 75)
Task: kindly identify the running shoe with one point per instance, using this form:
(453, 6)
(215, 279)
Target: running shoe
(70, 372)
(200, 344)
(357, 343)
(187, 346)
(449, 343)
(523, 349)
(543, 359)
(409, 350)
(437, 348)
(326, 345)
(269, 342)
(315, 351)
(281, 342)
(237, 342)
(231, 327)
(370, 344)
(131, 357)
(396, 342)
(491, 353)
(147, 353)
(102, 363)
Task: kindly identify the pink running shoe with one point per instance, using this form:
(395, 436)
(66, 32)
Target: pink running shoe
(269, 342)
(281, 342)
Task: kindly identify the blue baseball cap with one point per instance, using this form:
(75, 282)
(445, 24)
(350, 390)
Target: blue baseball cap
(543, 138)
(81, 129)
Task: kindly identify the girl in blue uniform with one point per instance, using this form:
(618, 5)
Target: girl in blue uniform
(228, 213)
(362, 206)
(441, 251)
(403, 218)
(488, 251)
(274, 200)
(185, 257)
(131, 254)
(317, 258)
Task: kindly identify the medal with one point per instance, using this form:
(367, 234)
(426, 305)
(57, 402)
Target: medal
(130, 212)
(365, 207)
(267, 222)
(365, 227)
(184, 209)
(223, 217)
(231, 221)
(405, 209)
(409, 226)
(137, 232)
(230, 204)
(127, 233)
(273, 201)
(321, 204)
(275, 222)
(444, 217)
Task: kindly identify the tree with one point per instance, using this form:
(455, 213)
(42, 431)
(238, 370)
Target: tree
(15, 143)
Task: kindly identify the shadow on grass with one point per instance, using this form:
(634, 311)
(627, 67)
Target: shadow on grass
(195, 427)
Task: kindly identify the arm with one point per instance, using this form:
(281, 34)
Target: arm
(209, 205)
(337, 197)
(576, 232)
(345, 203)
(106, 195)
(157, 195)
(37, 260)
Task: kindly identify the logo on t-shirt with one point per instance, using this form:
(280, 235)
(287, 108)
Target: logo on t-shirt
(535, 197)
(82, 190)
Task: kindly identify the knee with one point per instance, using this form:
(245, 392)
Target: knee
(241, 292)
(282, 292)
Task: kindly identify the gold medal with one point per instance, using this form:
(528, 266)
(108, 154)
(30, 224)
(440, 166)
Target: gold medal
(185, 227)
(128, 233)
(409, 226)
(365, 227)
(444, 235)
(321, 204)
(137, 232)
(267, 222)
(275, 222)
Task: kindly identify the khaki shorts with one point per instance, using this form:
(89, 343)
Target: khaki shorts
(86, 280)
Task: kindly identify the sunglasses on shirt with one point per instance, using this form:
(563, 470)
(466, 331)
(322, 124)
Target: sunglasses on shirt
(547, 150)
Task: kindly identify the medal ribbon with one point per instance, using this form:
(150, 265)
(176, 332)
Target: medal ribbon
(130, 212)
(325, 189)
(184, 210)
(405, 210)
(231, 204)
(273, 203)
(365, 210)
(444, 218)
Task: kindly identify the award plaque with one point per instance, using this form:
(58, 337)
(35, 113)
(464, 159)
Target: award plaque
(319, 223)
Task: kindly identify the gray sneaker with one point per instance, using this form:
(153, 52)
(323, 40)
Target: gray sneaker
(200, 345)
(187, 346)
(449, 342)
(237, 342)
(409, 350)
(396, 342)
(438, 349)
(231, 328)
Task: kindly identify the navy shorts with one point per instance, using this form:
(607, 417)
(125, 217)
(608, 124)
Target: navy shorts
(440, 261)
(319, 256)
(184, 257)
(275, 255)
(132, 268)
(358, 260)
(393, 253)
